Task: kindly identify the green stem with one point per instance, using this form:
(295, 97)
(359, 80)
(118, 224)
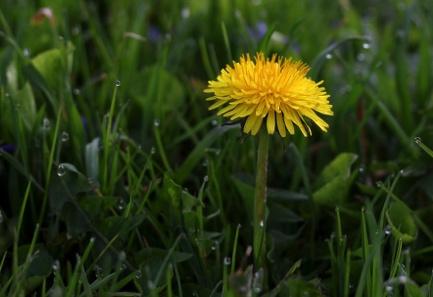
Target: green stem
(260, 200)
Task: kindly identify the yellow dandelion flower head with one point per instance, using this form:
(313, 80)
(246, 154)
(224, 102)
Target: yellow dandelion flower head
(276, 90)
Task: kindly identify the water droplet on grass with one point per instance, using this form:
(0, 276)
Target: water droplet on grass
(56, 265)
(117, 83)
(403, 279)
(379, 184)
(61, 170)
(138, 274)
(227, 261)
(214, 122)
(65, 136)
(76, 92)
(387, 230)
(328, 56)
(261, 224)
(417, 140)
(121, 204)
(26, 52)
(150, 285)
(366, 45)
(46, 124)
(205, 178)
(122, 256)
(156, 123)
(152, 150)
(258, 281)
(185, 12)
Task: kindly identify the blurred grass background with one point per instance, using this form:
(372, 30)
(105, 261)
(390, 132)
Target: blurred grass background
(117, 181)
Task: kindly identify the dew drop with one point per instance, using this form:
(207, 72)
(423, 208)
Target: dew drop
(92, 240)
(76, 92)
(387, 230)
(46, 124)
(249, 251)
(68, 236)
(388, 289)
(150, 285)
(64, 136)
(156, 123)
(122, 267)
(152, 150)
(258, 281)
(185, 12)
(227, 261)
(214, 122)
(121, 204)
(417, 140)
(403, 279)
(328, 56)
(366, 45)
(261, 224)
(138, 274)
(361, 169)
(26, 52)
(379, 184)
(205, 178)
(117, 83)
(56, 265)
(61, 170)
(122, 256)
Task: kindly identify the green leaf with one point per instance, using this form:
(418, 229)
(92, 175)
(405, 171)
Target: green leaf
(92, 159)
(401, 220)
(340, 166)
(25, 102)
(54, 64)
(335, 180)
(50, 65)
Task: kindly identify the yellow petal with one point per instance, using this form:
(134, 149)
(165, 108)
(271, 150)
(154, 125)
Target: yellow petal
(249, 123)
(280, 125)
(225, 109)
(217, 104)
(257, 126)
(270, 123)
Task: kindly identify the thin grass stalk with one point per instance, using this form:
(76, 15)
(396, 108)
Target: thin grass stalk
(260, 200)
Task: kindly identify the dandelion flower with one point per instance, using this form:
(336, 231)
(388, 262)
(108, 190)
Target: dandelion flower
(275, 90)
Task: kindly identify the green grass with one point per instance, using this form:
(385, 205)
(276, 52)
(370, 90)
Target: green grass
(117, 181)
